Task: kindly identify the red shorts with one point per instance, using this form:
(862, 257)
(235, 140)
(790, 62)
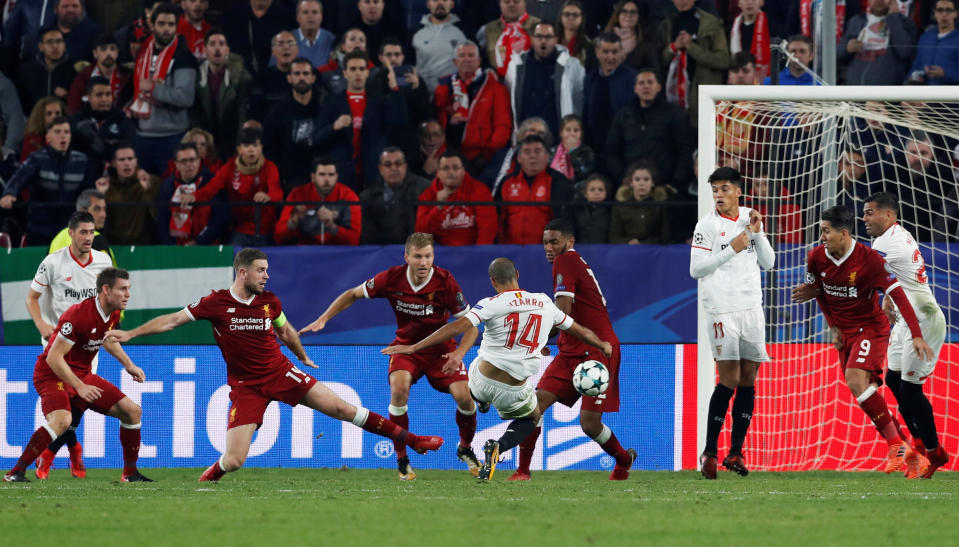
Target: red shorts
(558, 380)
(55, 394)
(430, 365)
(249, 402)
(865, 350)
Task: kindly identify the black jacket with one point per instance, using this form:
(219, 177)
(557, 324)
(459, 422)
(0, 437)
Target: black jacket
(36, 82)
(97, 134)
(385, 223)
(290, 139)
(659, 133)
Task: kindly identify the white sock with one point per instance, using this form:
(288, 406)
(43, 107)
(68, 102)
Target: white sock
(398, 410)
(361, 416)
(604, 435)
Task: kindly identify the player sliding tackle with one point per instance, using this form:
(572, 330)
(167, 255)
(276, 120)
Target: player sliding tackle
(246, 321)
(843, 276)
(518, 324)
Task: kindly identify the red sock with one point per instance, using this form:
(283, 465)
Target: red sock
(614, 449)
(217, 472)
(39, 442)
(526, 449)
(467, 426)
(402, 420)
(130, 441)
(379, 425)
(875, 407)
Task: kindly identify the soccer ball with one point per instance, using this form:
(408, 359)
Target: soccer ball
(591, 378)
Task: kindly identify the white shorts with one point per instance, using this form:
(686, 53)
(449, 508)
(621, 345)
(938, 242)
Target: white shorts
(510, 401)
(902, 357)
(738, 335)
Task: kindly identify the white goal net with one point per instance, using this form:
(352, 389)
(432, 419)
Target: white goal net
(803, 149)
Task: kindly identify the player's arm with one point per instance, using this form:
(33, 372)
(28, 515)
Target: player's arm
(455, 357)
(442, 334)
(113, 348)
(588, 336)
(291, 338)
(60, 367)
(909, 316)
(33, 306)
(342, 302)
(163, 323)
(765, 255)
(565, 304)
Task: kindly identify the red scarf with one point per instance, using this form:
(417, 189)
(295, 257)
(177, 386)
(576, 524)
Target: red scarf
(149, 67)
(460, 105)
(806, 17)
(512, 41)
(760, 44)
(677, 81)
(561, 162)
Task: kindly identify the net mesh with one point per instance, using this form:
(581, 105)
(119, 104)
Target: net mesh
(797, 158)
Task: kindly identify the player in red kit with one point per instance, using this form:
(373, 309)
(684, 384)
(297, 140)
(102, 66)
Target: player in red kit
(63, 375)
(246, 322)
(577, 293)
(844, 277)
(423, 297)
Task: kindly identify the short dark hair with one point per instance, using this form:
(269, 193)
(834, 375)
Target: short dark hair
(213, 32)
(355, 54)
(83, 200)
(502, 270)
(123, 145)
(448, 153)
(249, 135)
(728, 174)
(885, 200)
(801, 38)
(160, 9)
(246, 256)
(609, 38)
(47, 30)
(650, 70)
(393, 150)
(839, 217)
(533, 139)
(78, 217)
(390, 41)
(104, 39)
(301, 61)
(323, 160)
(56, 121)
(741, 59)
(95, 81)
(109, 276)
(561, 225)
(186, 146)
(550, 24)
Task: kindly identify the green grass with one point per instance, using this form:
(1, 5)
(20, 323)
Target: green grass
(280, 507)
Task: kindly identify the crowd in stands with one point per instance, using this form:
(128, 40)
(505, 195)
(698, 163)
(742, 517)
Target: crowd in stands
(261, 122)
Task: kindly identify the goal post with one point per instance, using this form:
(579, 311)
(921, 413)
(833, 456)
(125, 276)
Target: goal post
(802, 149)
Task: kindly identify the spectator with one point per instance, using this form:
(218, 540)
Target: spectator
(94, 202)
(272, 84)
(126, 182)
(222, 88)
(607, 90)
(250, 30)
(572, 158)
(571, 25)
(44, 112)
(21, 27)
(639, 45)
(742, 69)
(937, 55)
(651, 129)
(432, 141)
(504, 162)
(290, 129)
(750, 33)
(11, 114)
(79, 31)
(164, 83)
(377, 24)
(591, 215)
(456, 224)
(50, 72)
(386, 221)
(923, 178)
(332, 222)
(191, 225)
(105, 55)
(636, 220)
(545, 82)
(207, 148)
(801, 49)
(194, 27)
(313, 42)
(54, 174)
(435, 42)
(248, 176)
(100, 126)
(132, 38)
(853, 186)
(946, 227)
(533, 181)
(545, 10)
(695, 51)
(334, 82)
(507, 36)
(408, 84)
(780, 215)
(877, 46)
(473, 107)
(805, 18)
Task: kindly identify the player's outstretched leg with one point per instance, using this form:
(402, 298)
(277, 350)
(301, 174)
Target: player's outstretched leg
(592, 424)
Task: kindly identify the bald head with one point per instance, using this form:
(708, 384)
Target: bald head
(502, 271)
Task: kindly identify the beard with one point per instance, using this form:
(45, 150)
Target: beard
(253, 288)
(108, 62)
(302, 88)
(440, 13)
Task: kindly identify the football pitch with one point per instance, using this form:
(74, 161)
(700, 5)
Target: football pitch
(273, 507)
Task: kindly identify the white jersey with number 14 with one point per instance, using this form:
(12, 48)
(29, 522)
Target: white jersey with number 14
(517, 328)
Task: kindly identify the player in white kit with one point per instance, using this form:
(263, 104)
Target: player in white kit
(907, 371)
(728, 249)
(518, 324)
(64, 278)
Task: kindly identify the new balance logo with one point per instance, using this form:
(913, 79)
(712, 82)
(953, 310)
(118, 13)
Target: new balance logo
(230, 310)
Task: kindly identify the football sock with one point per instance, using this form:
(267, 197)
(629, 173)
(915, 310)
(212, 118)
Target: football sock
(467, 426)
(399, 417)
(875, 407)
(517, 431)
(608, 442)
(218, 470)
(69, 437)
(38, 442)
(130, 441)
(526, 449)
(718, 404)
(376, 424)
(920, 408)
(742, 416)
(894, 381)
